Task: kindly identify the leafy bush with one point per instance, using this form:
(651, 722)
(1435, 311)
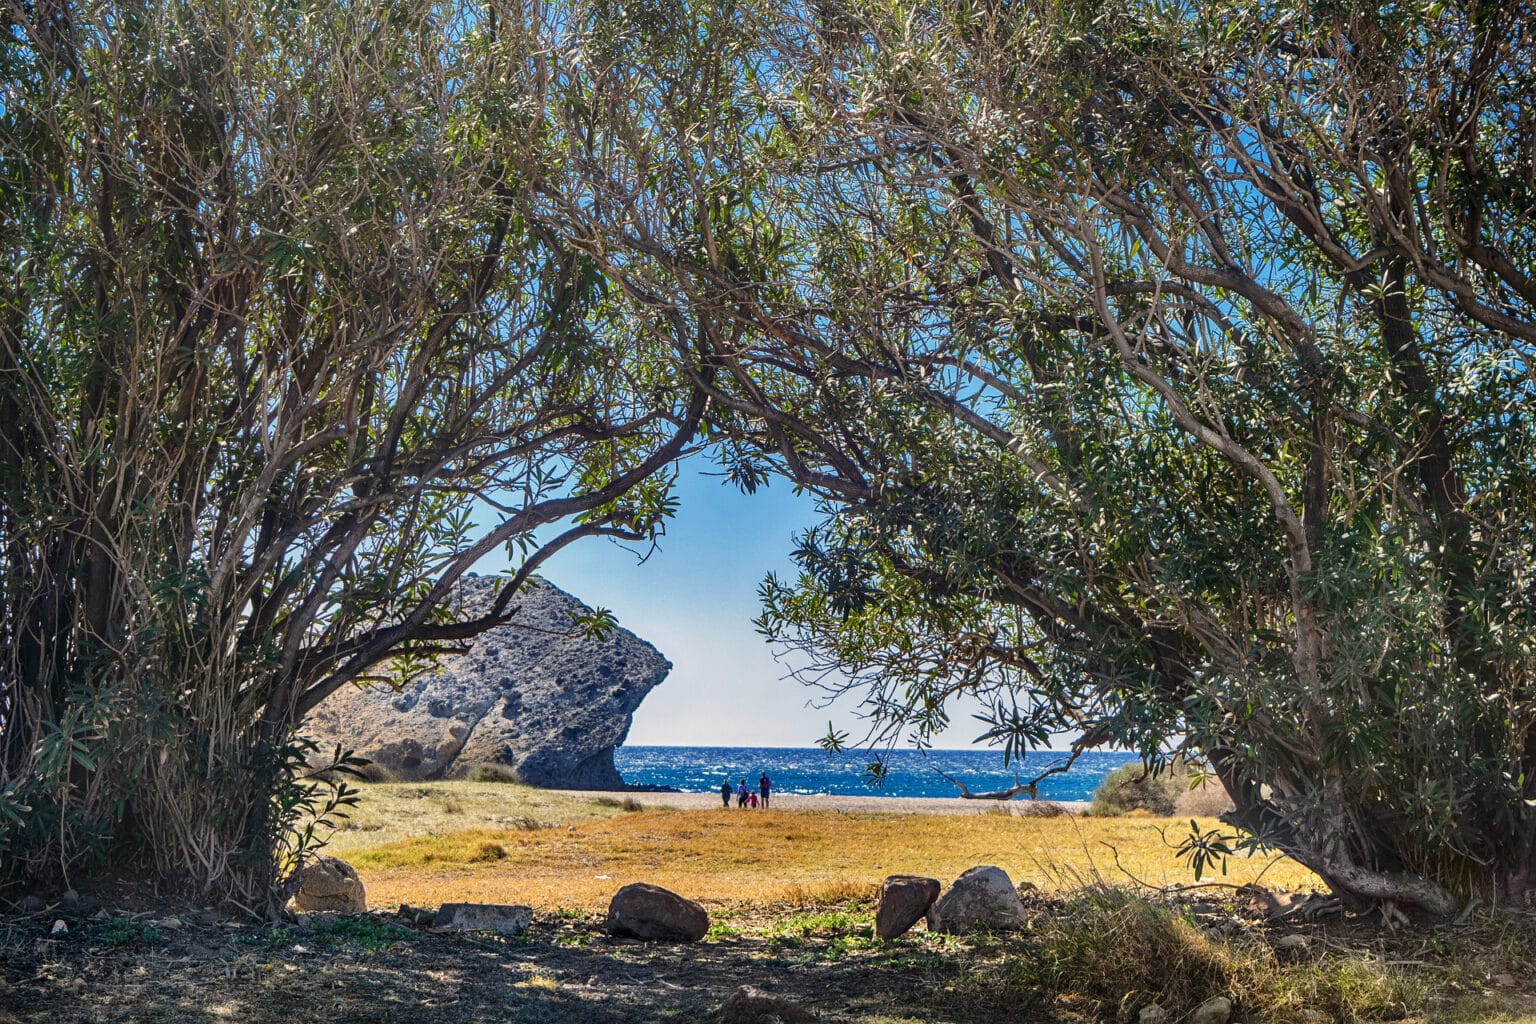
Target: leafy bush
(1132, 787)
(491, 773)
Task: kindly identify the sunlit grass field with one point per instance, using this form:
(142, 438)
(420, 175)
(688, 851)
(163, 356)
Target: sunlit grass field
(430, 843)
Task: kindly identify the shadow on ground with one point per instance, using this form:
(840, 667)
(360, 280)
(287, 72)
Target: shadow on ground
(375, 970)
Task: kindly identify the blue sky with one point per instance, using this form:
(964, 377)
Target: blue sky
(694, 599)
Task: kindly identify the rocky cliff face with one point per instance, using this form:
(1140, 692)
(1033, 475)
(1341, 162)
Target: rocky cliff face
(548, 708)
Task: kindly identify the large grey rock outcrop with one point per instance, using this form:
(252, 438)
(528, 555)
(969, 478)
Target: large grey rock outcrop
(981, 898)
(546, 707)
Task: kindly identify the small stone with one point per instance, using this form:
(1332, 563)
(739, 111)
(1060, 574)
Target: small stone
(482, 917)
(1504, 980)
(70, 896)
(750, 1005)
(904, 899)
(31, 904)
(1215, 1010)
(170, 924)
(59, 928)
(1310, 1017)
(1152, 1014)
(102, 915)
(416, 916)
(1292, 944)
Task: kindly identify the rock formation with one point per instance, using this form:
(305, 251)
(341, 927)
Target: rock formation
(536, 702)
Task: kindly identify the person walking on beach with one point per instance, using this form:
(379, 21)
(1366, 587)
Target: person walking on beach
(763, 787)
(725, 792)
(741, 794)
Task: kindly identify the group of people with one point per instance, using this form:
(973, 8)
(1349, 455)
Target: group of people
(744, 796)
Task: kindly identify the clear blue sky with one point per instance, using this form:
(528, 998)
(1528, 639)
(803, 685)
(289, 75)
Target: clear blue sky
(695, 599)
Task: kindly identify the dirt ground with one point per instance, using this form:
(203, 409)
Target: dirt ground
(152, 966)
(376, 969)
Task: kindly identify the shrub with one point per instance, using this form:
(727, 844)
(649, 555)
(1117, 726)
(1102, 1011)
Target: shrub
(491, 773)
(487, 851)
(1131, 788)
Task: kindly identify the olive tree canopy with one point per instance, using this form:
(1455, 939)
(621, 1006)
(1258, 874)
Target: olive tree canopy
(1165, 372)
(281, 357)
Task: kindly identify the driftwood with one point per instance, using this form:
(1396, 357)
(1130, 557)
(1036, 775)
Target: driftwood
(1019, 788)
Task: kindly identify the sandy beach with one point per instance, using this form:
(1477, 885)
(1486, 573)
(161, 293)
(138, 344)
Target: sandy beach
(851, 804)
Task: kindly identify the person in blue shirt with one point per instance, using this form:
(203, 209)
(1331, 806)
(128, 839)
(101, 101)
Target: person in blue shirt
(763, 787)
(741, 794)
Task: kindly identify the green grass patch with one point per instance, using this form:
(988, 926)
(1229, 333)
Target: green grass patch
(119, 931)
(361, 932)
(822, 924)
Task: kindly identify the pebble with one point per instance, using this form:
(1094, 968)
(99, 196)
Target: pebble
(1215, 1010)
(1504, 980)
(1292, 943)
(59, 928)
(1153, 1014)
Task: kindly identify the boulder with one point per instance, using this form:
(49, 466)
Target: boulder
(1215, 1010)
(748, 1005)
(982, 897)
(643, 911)
(329, 884)
(535, 700)
(482, 917)
(904, 899)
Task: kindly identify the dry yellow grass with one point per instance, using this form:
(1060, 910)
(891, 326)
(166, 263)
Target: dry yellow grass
(430, 843)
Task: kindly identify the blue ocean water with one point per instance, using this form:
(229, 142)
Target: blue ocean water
(812, 770)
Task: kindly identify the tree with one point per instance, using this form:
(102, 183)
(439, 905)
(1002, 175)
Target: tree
(1165, 372)
(275, 338)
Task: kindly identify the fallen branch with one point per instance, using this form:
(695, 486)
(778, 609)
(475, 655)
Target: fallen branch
(1019, 788)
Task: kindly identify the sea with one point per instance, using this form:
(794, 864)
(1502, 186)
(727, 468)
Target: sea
(812, 770)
